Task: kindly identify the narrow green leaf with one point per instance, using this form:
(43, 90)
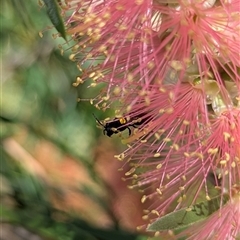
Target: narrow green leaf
(55, 17)
(187, 216)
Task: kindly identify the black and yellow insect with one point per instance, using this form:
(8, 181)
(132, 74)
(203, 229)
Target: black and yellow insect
(117, 125)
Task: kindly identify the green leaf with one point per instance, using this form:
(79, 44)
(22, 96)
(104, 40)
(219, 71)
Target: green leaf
(187, 216)
(8, 214)
(55, 17)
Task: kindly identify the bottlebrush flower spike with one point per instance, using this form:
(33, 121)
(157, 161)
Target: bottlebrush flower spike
(222, 148)
(223, 224)
(120, 42)
(195, 33)
(111, 39)
(166, 152)
(174, 68)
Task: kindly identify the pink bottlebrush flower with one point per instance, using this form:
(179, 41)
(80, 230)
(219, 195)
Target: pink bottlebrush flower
(223, 224)
(222, 149)
(184, 145)
(174, 68)
(110, 38)
(164, 146)
(130, 45)
(195, 30)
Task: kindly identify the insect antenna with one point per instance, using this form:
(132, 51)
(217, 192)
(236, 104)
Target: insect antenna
(97, 120)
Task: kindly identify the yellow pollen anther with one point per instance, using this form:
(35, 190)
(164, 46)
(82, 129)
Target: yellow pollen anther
(186, 154)
(151, 65)
(105, 98)
(163, 90)
(176, 65)
(179, 200)
(156, 155)
(105, 52)
(102, 48)
(122, 27)
(233, 126)
(223, 162)
(146, 211)
(167, 139)
(145, 217)
(130, 35)
(227, 156)
(186, 122)
(129, 108)
(171, 95)
(175, 146)
(102, 24)
(143, 199)
(138, 2)
(159, 166)
(142, 92)
(161, 130)
(155, 212)
(208, 198)
(40, 34)
(212, 151)
(135, 176)
(106, 15)
(159, 191)
(131, 171)
(117, 90)
(157, 136)
(93, 84)
(72, 57)
(79, 80)
(95, 78)
(147, 101)
(226, 136)
(199, 155)
(169, 110)
(120, 157)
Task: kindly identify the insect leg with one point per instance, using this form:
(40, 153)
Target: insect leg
(129, 131)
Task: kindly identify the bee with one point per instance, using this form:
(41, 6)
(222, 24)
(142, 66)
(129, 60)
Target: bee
(118, 125)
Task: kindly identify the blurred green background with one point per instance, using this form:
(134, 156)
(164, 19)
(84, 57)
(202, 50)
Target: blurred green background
(59, 179)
